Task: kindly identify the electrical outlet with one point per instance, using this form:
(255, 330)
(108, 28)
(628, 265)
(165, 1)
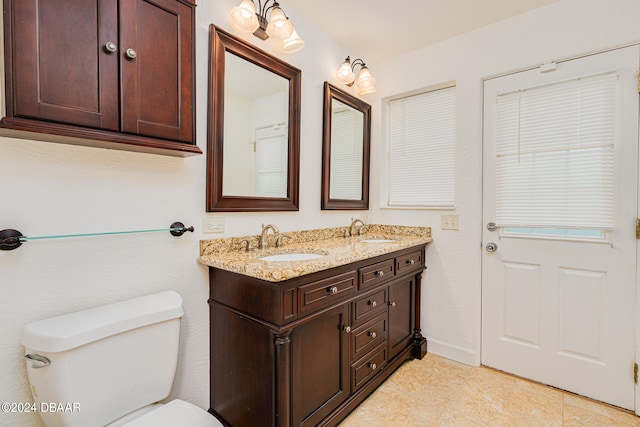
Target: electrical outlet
(449, 222)
(213, 224)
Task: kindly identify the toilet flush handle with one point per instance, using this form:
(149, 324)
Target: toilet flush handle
(37, 361)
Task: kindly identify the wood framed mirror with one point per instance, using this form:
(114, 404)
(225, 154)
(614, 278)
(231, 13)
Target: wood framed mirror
(346, 140)
(253, 139)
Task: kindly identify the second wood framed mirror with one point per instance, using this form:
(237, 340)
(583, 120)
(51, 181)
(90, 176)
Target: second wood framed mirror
(253, 156)
(346, 140)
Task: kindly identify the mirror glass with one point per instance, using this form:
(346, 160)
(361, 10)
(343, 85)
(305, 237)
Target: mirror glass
(346, 142)
(254, 128)
(256, 120)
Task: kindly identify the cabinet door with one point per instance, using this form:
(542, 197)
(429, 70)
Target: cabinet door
(320, 375)
(401, 315)
(60, 69)
(157, 60)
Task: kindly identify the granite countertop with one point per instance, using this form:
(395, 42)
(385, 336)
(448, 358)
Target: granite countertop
(230, 254)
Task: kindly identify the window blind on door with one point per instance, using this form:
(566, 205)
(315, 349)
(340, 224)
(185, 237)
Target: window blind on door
(555, 154)
(422, 148)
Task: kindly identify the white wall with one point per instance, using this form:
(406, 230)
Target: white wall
(49, 188)
(452, 288)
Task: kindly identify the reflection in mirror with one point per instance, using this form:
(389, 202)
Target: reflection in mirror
(345, 159)
(346, 152)
(254, 128)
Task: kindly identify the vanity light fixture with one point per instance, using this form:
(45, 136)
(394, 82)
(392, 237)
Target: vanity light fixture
(345, 75)
(245, 17)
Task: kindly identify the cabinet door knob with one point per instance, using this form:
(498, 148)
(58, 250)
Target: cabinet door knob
(373, 334)
(347, 329)
(392, 303)
(373, 303)
(131, 54)
(111, 47)
(333, 290)
(373, 366)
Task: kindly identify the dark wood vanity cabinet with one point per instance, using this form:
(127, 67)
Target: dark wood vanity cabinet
(307, 351)
(108, 73)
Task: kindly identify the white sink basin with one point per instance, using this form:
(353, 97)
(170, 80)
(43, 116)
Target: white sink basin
(291, 257)
(377, 240)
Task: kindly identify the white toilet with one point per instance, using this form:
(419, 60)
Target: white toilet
(110, 366)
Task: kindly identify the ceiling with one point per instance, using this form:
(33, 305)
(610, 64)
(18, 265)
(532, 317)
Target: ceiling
(381, 29)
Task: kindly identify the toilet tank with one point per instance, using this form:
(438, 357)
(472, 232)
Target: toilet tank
(104, 362)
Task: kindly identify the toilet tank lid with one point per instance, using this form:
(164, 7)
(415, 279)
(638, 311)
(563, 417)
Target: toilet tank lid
(72, 330)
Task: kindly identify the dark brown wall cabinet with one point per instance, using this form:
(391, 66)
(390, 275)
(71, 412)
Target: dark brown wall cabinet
(106, 73)
(307, 351)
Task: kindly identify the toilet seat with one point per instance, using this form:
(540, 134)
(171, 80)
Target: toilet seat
(176, 413)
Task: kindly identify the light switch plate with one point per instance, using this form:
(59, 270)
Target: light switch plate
(213, 224)
(449, 222)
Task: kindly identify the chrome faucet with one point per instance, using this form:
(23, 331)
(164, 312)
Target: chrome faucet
(263, 235)
(353, 225)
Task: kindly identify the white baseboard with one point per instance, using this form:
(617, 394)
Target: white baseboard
(453, 352)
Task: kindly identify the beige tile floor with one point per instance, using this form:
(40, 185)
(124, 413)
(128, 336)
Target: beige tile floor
(442, 393)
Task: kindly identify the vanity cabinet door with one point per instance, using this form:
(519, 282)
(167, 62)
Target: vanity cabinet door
(320, 366)
(401, 315)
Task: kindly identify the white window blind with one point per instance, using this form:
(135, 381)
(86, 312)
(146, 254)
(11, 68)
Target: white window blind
(422, 148)
(555, 156)
(271, 161)
(346, 154)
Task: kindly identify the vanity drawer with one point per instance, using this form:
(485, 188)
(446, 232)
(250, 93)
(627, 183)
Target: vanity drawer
(368, 367)
(376, 273)
(409, 262)
(368, 336)
(369, 306)
(322, 293)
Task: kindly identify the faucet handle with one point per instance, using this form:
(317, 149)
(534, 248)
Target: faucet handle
(247, 245)
(279, 240)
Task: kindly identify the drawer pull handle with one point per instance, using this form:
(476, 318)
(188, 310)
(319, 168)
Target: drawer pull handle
(379, 273)
(373, 366)
(373, 334)
(410, 261)
(373, 303)
(392, 303)
(333, 290)
(347, 329)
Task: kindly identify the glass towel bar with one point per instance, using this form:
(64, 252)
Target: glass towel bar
(11, 239)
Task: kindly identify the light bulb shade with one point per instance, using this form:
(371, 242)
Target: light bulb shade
(292, 44)
(345, 74)
(366, 82)
(244, 18)
(279, 26)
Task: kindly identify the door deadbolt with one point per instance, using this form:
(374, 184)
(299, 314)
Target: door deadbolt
(492, 226)
(491, 247)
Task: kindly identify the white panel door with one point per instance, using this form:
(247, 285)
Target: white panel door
(558, 304)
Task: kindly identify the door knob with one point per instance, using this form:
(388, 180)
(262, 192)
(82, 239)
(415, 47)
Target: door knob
(491, 247)
(131, 54)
